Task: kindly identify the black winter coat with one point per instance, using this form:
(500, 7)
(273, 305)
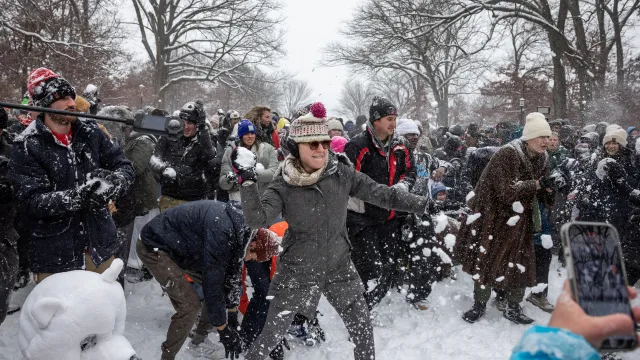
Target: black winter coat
(45, 173)
(207, 237)
(7, 206)
(193, 160)
(388, 168)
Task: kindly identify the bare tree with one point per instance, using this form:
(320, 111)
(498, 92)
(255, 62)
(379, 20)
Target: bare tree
(355, 98)
(207, 40)
(295, 93)
(387, 34)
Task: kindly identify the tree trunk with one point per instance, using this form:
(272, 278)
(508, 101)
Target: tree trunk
(559, 78)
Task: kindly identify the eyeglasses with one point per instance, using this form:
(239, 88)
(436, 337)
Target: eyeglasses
(314, 145)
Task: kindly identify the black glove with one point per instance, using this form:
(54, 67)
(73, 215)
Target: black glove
(103, 193)
(81, 196)
(278, 352)
(232, 320)
(615, 171)
(244, 173)
(433, 207)
(547, 182)
(231, 342)
(201, 115)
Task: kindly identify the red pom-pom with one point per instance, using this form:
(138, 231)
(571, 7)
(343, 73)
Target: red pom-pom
(318, 110)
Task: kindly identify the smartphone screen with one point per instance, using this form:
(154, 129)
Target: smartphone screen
(600, 280)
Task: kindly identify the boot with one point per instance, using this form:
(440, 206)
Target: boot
(475, 313)
(500, 302)
(514, 314)
(278, 352)
(541, 301)
(24, 277)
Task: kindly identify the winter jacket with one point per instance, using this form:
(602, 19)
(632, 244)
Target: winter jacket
(488, 246)
(268, 134)
(556, 158)
(548, 343)
(45, 173)
(268, 159)
(142, 196)
(477, 160)
(206, 237)
(193, 160)
(7, 203)
(316, 245)
(624, 157)
(387, 165)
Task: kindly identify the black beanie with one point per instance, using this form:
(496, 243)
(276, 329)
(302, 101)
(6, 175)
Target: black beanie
(381, 107)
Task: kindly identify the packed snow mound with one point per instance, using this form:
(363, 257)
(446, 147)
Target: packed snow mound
(517, 207)
(246, 159)
(601, 172)
(76, 315)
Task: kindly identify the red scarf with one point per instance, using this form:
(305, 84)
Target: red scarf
(65, 139)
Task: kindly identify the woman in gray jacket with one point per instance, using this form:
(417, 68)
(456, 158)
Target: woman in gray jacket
(267, 161)
(311, 190)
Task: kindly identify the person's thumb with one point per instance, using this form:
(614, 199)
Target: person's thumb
(611, 325)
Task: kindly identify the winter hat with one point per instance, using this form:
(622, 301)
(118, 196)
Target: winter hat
(457, 130)
(349, 126)
(536, 126)
(612, 127)
(589, 128)
(361, 119)
(245, 127)
(311, 127)
(234, 115)
(282, 123)
(381, 107)
(190, 110)
(265, 244)
(46, 87)
(452, 144)
(630, 129)
(437, 188)
(619, 135)
(338, 143)
(215, 121)
(406, 126)
(335, 124)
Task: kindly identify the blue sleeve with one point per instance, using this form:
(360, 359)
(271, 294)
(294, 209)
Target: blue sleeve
(547, 343)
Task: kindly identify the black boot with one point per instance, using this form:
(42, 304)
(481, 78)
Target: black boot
(475, 313)
(278, 352)
(514, 314)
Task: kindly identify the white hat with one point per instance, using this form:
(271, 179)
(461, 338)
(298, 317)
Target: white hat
(619, 135)
(335, 124)
(406, 126)
(535, 127)
(612, 128)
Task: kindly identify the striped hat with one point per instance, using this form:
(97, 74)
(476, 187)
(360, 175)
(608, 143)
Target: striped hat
(311, 127)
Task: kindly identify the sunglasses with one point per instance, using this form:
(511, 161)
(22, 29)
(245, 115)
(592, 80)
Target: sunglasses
(325, 144)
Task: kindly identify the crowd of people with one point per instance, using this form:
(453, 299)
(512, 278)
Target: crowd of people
(370, 206)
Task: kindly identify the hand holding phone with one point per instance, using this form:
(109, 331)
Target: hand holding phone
(595, 329)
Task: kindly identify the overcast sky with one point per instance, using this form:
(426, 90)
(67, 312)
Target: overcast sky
(309, 26)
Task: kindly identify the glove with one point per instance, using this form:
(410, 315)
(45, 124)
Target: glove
(232, 320)
(100, 174)
(81, 196)
(634, 198)
(547, 182)
(231, 342)
(555, 180)
(201, 115)
(231, 177)
(615, 171)
(433, 207)
(116, 179)
(102, 194)
(169, 175)
(246, 171)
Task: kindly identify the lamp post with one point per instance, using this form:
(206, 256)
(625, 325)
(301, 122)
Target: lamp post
(522, 111)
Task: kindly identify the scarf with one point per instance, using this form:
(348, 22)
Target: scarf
(294, 174)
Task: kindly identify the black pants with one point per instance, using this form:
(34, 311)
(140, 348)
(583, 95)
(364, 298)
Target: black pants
(375, 256)
(256, 314)
(124, 238)
(543, 264)
(8, 270)
(23, 229)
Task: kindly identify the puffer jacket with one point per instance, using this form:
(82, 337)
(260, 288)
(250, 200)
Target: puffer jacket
(267, 157)
(316, 246)
(193, 160)
(387, 165)
(206, 237)
(45, 173)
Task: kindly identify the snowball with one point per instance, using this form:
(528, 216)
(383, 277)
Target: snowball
(476, 277)
(600, 172)
(420, 241)
(284, 313)
(470, 195)
(513, 220)
(547, 243)
(441, 223)
(270, 297)
(372, 285)
(521, 268)
(259, 166)
(246, 159)
(473, 232)
(443, 255)
(538, 288)
(450, 241)
(473, 217)
(517, 207)
(426, 252)
(510, 264)
(490, 237)
(170, 173)
(482, 249)
(500, 279)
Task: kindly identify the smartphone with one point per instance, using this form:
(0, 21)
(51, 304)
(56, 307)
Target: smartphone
(596, 272)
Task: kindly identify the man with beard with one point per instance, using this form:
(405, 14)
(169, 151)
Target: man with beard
(64, 172)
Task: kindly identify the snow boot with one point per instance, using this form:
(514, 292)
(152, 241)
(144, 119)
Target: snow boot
(24, 277)
(541, 301)
(201, 347)
(500, 302)
(514, 313)
(278, 352)
(134, 275)
(475, 313)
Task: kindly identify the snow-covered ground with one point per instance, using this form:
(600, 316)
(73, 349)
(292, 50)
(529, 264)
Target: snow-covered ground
(401, 332)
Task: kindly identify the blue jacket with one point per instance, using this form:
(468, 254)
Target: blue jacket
(207, 237)
(547, 343)
(45, 173)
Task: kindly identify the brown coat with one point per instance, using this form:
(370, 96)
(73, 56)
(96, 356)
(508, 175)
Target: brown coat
(510, 176)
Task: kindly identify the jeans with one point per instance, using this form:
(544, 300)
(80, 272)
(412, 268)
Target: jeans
(256, 314)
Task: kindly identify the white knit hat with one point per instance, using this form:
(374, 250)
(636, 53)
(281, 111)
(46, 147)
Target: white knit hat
(612, 128)
(536, 126)
(335, 124)
(406, 126)
(311, 127)
(619, 135)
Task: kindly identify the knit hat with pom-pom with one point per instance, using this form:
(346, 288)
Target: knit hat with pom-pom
(46, 87)
(312, 126)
